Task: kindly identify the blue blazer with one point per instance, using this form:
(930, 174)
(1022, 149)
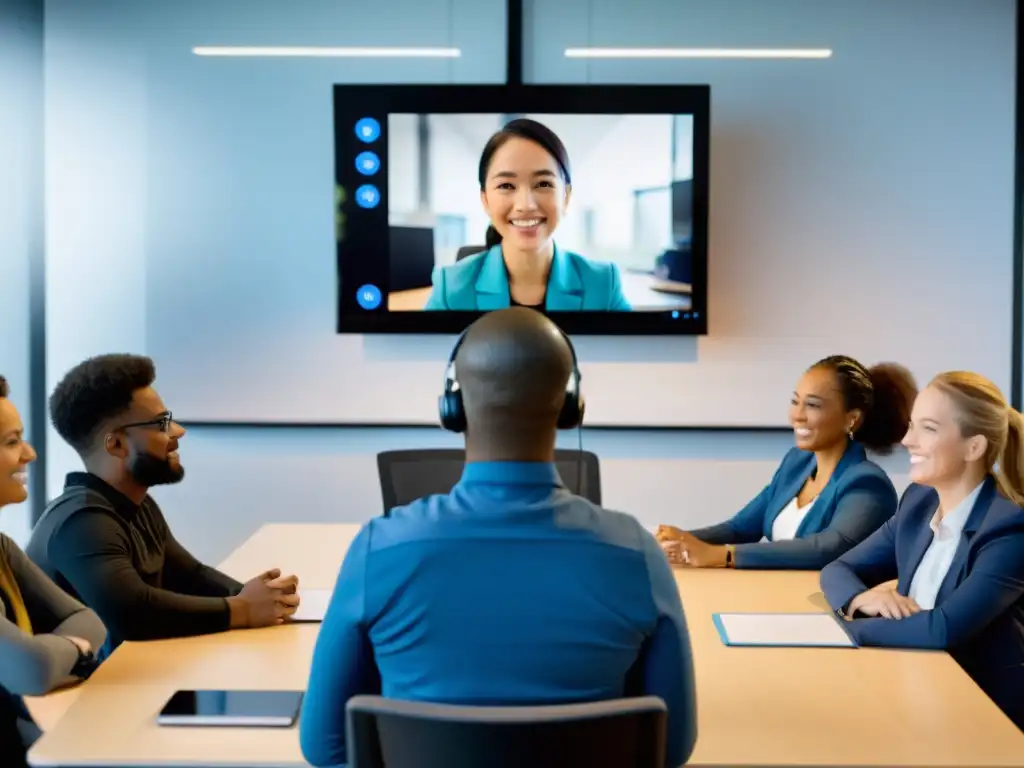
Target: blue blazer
(858, 498)
(979, 610)
(576, 284)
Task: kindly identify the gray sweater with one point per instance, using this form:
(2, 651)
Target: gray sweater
(31, 665)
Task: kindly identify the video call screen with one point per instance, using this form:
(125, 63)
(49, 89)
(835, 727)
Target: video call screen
(618, 220)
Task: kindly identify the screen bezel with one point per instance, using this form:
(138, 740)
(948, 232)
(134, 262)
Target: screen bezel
(352, 102)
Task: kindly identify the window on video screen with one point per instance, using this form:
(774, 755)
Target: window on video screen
(593, 213)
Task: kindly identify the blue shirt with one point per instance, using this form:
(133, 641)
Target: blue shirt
(508, 591)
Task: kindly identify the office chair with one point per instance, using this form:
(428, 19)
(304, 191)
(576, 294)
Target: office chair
(622, 733)
(409, 475)
(468, 250)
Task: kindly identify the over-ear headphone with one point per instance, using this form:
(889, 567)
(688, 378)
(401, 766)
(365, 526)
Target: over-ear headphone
(453, 413)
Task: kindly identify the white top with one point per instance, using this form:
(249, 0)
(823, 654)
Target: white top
(924, 587)
(789, 519)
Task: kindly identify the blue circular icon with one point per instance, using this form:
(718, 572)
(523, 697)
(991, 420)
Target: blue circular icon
(368, 296)
(368, 130)
(675, 314)
(367, 196)
(367, 163)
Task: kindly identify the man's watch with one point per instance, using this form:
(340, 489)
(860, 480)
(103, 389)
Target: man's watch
(730, 556)
(86, 663)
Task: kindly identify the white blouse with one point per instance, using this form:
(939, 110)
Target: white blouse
(946, 535)
(789, 519)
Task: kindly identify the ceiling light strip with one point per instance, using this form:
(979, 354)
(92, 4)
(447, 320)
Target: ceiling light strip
(326, 52)
(698, 53)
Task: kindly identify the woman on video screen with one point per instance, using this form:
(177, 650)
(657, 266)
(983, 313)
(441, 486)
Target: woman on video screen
(525, 186)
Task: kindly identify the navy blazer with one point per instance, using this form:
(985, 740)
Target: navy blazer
(858, 498)
(979, 610)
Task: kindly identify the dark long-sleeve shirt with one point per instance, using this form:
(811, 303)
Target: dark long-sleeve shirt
(121, 560)
(36, 662)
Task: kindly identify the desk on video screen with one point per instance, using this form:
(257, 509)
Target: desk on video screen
(644, 292)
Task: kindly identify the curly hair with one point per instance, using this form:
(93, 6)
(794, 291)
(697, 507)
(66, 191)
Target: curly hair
(885, 395)
(95, 391)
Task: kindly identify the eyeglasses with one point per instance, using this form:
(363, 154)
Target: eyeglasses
(163, 422)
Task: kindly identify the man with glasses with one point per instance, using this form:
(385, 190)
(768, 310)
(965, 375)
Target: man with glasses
(105, 540)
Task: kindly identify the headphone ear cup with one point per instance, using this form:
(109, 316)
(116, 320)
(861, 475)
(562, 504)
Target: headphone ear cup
(571, 415)
(453, 416)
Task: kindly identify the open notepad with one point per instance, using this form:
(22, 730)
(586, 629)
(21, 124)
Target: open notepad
(794, 630)
(312, 605)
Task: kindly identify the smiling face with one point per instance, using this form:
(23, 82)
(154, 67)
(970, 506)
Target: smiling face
(146, 439)
(524, 194)
(939, 452)
(15, 455)
(818, 413)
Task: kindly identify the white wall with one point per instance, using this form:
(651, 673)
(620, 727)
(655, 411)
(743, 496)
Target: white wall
(855, 208)
(21, 95)
(97, 166)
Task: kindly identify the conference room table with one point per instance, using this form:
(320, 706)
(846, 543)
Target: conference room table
(756, 706)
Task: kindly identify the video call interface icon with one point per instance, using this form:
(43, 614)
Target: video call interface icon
(368, 296)
(367, 196)
(368, 130)
(367, 163)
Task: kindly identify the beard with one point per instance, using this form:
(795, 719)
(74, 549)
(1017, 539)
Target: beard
(148, 470)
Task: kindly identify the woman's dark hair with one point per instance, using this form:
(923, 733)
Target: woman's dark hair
(531, 130)
(885, 395)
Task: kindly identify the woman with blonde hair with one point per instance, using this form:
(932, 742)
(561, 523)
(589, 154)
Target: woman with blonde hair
(955, 546)
(47, 639)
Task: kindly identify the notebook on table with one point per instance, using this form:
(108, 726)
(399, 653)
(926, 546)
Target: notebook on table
(783, 630)
(312, 605)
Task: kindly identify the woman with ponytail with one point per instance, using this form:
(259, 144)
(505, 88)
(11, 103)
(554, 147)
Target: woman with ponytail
(956, 545)
(46, 637)
(525, 187)
(826, 495)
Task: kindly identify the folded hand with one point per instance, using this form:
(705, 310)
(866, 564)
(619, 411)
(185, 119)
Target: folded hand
(883, 601)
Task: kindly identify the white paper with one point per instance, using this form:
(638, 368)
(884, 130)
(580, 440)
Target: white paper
(312, 605)
(784, 629)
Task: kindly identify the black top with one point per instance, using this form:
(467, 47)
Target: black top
(538, 307)
(120, 559)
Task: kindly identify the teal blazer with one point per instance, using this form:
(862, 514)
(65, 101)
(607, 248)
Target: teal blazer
(576, 284)
(857, 500)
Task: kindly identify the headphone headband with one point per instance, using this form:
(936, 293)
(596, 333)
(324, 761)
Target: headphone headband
(452, 411)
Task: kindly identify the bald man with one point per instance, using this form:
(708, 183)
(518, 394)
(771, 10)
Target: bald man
(509, 590)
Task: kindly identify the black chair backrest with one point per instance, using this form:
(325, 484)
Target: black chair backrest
(622, 733)
(468, 250)
(409, 475)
